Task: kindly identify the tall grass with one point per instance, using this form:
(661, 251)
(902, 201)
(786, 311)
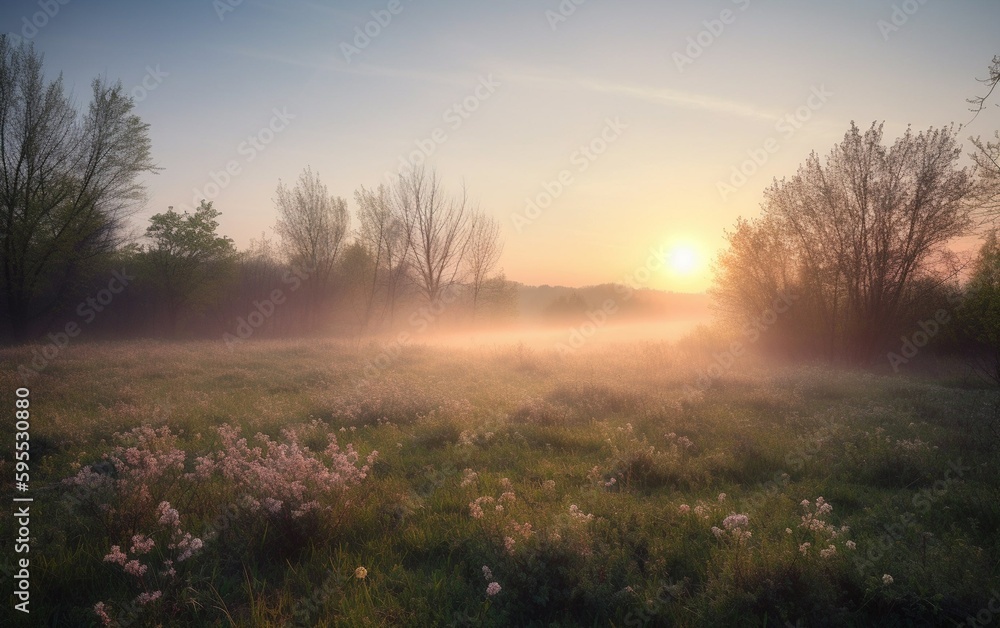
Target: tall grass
(294, 483)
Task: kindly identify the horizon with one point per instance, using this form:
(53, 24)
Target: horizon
(673, 103)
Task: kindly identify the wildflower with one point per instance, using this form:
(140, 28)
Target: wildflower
(492, 589)
(145, 598)
(508, 497)
(102, 614)
(829, 552)
(468, 477)
(360, 573)
(788, 530)
(506, 484)
(142, 544)
(684, 509)
(499, 508)
(804, 548)
(116, 556)
(508, 544)
(718, 532)
(886, 579)
(135, 568)
(851, 545)
(722, 497)
(575, 511)
(187, 545)
(549, 485)
(169, 517)
(169, 572)
(735, 521)
(487, 573)
(475, 510)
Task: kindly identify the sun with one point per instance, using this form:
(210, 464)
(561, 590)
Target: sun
(683, 260)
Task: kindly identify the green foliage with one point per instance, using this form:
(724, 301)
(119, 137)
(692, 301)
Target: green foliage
(68, 182)
(980, 316)
(186, 259)
(912, 488)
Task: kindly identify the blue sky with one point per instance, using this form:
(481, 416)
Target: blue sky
(556, 84)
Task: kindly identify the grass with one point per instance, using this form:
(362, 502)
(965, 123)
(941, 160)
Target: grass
(617, 471)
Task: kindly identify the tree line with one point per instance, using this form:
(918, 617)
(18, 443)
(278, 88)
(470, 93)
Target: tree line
(70, 183)
(861, 239)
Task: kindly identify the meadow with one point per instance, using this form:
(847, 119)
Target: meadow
(330, 483)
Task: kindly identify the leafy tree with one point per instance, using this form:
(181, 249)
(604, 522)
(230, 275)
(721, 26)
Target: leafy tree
(980, 314)
(67, 183)
(186, 258)
(855, 235)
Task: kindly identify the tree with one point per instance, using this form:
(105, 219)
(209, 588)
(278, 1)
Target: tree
(439, 228)
(987, 157)
(980, 314)
(485, 247)
(186, 257)
(979, 102)
(987, 160)
(863, 228)
(67, 185)
(312, 224)
(384, 233)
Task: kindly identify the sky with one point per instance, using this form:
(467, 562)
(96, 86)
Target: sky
(613, 141)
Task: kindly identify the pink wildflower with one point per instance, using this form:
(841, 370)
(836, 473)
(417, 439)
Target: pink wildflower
(135, 568)
(116, 556)
(102, 614)
(142, 544)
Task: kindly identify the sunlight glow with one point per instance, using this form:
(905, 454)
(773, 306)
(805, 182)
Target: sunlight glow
(683, 260)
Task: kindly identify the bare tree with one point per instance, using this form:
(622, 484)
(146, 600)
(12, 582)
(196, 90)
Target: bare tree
(439, 225)
(311, 225)
(484, 250)
(979, 102)
(67, 184)
(987, 157)
(383, 232)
